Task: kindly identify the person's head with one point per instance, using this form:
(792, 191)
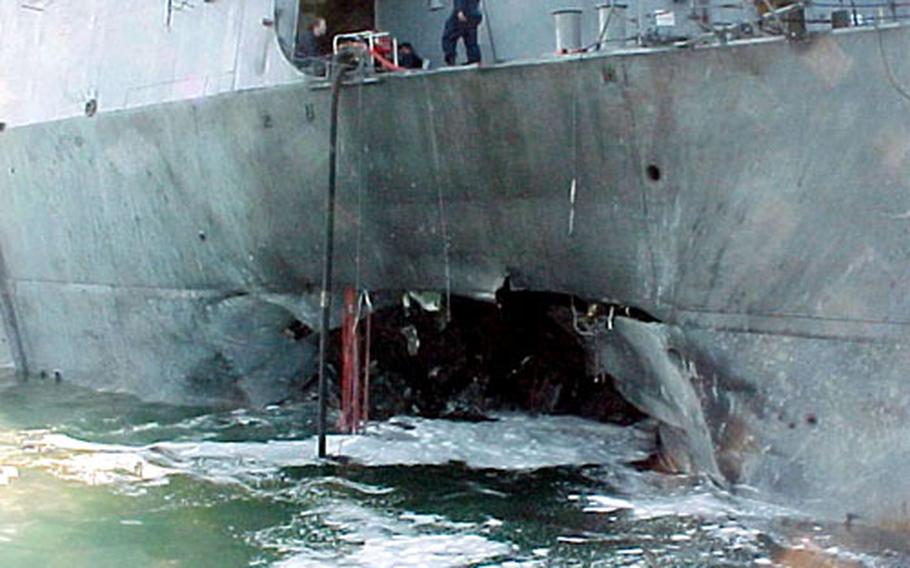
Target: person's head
(318, 27)
(405, 48)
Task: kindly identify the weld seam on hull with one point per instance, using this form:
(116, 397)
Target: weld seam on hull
(201, 292)
(794, 325)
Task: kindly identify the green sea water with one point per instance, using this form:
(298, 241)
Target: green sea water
(98, 480)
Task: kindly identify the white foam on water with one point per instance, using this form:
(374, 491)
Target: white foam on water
(572, 540)
(512, 442)
(105, 468)
(8, 473)
(701, 505)
(419, 551)
(705, 505)
(606, 504)
(715, 517)
(521, 564)
(364, 537)
(422, 520)
(371, 539)
(630, 551)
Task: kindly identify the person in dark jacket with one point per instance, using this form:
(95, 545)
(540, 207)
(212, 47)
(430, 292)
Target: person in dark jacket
(463, 22)
(308, 53)
(408, 58)
(308, 45)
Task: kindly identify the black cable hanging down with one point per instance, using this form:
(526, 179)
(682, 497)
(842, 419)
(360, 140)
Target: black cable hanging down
(339, 69)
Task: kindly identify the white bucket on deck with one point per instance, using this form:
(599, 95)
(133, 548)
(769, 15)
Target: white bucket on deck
(611, 25)
(568, 29)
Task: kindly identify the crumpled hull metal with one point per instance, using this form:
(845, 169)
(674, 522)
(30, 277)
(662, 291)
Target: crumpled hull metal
(819, 424)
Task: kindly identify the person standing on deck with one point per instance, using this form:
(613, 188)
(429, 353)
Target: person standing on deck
(463, 22)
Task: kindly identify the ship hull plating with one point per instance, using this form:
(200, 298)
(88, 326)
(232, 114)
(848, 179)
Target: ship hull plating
(753, 198)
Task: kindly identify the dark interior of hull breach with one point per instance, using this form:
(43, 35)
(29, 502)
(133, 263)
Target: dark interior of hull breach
(460, 358)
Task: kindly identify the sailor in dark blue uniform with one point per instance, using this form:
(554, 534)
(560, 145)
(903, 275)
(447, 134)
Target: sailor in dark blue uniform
(408, 58)
(307, 54)
(463, 22)
(308, 42)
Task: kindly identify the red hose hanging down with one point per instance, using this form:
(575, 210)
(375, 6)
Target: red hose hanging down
(350, 369)
(355, 362)
(366, 362)
(385, 62)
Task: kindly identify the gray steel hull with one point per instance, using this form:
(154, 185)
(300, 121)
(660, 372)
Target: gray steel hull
(161, 251)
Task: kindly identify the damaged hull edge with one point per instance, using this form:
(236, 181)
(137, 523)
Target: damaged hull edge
(752, 198)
